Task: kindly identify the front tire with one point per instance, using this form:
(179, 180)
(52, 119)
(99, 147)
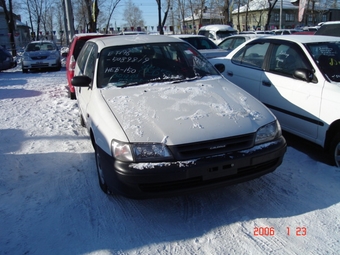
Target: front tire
(101, 178)
(335, 150)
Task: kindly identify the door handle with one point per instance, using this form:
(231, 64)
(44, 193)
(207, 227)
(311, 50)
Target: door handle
(266, 83)
(229, 73)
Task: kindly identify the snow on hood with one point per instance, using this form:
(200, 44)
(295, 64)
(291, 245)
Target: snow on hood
(205, 109)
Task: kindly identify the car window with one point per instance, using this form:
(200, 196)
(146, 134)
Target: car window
(91, 61)
(327, 56)
(83, 55)
(251, 55)
(77, 48)
(285, 59)
(226, 44)
(238, 42)
(139, 64)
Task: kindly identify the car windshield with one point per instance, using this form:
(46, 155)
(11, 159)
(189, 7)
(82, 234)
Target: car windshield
(162, 62)
(327, 56)
(223, 34)
(38, 46)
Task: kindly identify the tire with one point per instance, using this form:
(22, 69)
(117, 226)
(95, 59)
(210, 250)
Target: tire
(82, 122)
(335, 150)
(25, 70)
(71, 95)
(100, 173)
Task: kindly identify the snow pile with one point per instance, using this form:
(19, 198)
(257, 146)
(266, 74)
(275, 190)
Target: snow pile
(51, 203)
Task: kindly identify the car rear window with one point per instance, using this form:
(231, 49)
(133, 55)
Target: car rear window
(77, 48)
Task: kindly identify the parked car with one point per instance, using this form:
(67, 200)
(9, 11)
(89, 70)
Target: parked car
(75, 46)
(298, 78)
(217, 33)
(331, 28)
(234, 41)
(286, 31)
(6, 59)
(163, 121)
(205, 46)
(41, 55)
(266, 32)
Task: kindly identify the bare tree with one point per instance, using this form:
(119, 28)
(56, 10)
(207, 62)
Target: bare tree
(112, 7)
(133, 15)
(92, 14)
(10, 21)
(271, 5)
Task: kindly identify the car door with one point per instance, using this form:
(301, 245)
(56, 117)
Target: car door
(85, 66)
(245, 67)
(296, 103)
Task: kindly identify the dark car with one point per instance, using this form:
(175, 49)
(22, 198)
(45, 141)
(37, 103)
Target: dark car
(331, 28)
(76, 45)
(6, 59)
(204, 45)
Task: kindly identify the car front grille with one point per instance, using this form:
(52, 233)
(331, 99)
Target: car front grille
(40, 65)
(39, 57)
(213, 147)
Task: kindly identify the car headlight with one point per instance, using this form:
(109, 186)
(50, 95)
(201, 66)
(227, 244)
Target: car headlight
(25, 57)
(268, 132)
(140, 152)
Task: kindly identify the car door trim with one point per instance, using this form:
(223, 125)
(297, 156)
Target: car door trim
(314, 121)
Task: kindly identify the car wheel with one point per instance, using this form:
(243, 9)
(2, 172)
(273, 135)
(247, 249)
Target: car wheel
(100, 173)
(82, 122)
(72, 95)
(335, 150)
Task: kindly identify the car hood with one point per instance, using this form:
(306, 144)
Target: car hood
(205, 109)
(213, 53)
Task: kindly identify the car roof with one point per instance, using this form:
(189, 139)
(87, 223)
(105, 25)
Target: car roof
(103, 42)
(303, 38)
(188, 36)
(218, 27)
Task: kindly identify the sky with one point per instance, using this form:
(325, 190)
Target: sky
(149, 10)
(51, 202)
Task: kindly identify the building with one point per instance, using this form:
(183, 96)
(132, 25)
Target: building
(284, 15)
(21, 35)
(255, 15)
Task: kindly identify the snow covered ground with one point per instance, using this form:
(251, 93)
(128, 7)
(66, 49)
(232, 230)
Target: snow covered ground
(51, 203)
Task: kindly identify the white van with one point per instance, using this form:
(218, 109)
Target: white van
(217, 33)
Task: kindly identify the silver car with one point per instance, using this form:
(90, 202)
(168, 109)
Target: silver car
(162, 120)
(39, 55)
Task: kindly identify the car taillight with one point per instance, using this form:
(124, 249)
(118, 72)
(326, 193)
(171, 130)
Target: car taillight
(72, 64)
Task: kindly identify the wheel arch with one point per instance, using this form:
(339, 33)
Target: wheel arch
(333, 129)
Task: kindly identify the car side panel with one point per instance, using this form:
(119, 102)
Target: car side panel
(295, 103)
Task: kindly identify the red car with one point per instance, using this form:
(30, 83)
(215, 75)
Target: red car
(76, 45)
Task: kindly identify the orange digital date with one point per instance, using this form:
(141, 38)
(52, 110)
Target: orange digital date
(299, 231)
(264, 231)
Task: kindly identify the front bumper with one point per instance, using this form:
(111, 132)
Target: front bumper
(40, 64)
(146, 180)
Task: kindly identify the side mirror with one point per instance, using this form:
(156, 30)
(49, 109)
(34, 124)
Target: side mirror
(81, 81)
(304, 75)
(220, 67)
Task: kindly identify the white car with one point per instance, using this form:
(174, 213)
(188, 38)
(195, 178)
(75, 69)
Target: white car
(162, 120)
(298, 78)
